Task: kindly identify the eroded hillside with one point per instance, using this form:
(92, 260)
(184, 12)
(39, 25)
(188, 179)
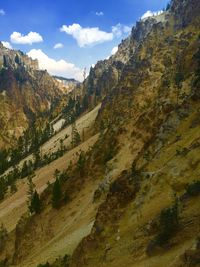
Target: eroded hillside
(132, 196)
(25, 93)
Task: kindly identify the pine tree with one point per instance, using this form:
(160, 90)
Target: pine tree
(56, 194)
(81, 162)
(13, 187)
(76, 139)
(35, 205)
(24, 171)
(31, 189)
(37, 158)
(3, 188)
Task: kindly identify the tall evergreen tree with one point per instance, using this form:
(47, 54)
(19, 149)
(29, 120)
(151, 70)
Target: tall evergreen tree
(3, 188)
(35, 205)
(56, 194)
(76, 139)
(81, 162)
(31, 189)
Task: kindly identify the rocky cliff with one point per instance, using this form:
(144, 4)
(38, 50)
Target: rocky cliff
(25, 91)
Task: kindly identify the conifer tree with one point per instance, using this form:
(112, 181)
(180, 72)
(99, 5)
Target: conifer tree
(3, 188)
(35, 205)
(56, 194)
(31, 189)
(81, 162)
(13, 187)
(76, 139)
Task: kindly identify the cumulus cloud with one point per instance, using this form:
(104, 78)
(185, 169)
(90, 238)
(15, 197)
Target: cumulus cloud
(56, 67)
(58, 45)
(87, 36)
(114, 50)
(99, 14)
(150, 13)
(2, 12)
(7, 45)
(92, 36)
(30, 38)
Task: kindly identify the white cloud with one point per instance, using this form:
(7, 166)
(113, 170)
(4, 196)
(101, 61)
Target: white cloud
(99, 14)
(7, 45)
(114, 50)
(60, 67)
(87, 36)
(127, 29)
(119, 29)
(151, 14)
(2, 12)
(92, 36)
(30, 38)
(58, 45)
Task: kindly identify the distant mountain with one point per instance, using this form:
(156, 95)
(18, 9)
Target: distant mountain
(66, 79)
(67, 85)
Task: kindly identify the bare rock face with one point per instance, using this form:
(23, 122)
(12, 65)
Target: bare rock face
(13, 58)
(25, 91)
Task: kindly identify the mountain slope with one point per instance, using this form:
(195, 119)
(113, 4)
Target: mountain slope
(25, 92)
(158, 90)
(135, 193)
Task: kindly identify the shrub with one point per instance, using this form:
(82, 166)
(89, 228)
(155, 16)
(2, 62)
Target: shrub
(193, 189)
(168, 224)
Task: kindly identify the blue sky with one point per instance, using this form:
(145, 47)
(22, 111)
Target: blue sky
(91, 29)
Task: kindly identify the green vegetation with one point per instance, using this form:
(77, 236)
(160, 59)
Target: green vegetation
(74, 108)
(60, 262)
(3, 237)
(35, 205)
(76, 139)
(81, 162)
(30, 142)
(34, 201)
(44, 265)
(168, 224)
(193, 189)
(3, 189)
(56, 194)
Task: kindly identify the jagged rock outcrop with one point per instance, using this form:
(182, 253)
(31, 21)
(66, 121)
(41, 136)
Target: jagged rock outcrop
(13, 58)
